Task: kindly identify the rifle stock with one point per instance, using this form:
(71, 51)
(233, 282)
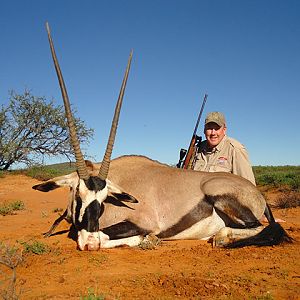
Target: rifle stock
(187, 164)
(187, 156)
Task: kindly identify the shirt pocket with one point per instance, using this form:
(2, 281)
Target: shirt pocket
(222, 165)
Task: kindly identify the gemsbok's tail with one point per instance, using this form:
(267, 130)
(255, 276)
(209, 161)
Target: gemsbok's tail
(273, 234)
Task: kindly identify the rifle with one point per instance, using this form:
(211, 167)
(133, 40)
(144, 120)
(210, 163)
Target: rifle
(186, 157)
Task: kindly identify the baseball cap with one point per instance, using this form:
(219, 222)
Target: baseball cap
(215, 117)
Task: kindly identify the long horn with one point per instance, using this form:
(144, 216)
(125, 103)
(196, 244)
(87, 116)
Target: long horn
(80, 163)
(103, 172)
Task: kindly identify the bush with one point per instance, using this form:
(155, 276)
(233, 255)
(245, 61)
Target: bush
(282, 176)
(47, 172)
(288, 200)
(35, 247)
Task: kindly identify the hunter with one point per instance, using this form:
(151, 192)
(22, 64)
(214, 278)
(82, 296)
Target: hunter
(220, 153)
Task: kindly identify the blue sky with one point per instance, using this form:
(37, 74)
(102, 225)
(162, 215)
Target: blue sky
(243, 54)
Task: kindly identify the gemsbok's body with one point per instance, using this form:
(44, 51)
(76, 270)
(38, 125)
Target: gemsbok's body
(123, 200)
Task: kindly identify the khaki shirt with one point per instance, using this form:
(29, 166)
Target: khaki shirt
(229, 156)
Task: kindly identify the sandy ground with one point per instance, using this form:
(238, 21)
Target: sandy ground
(173, 270)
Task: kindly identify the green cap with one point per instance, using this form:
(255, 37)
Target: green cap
(215, 117)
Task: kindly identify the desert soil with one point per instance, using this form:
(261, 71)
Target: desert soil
(173, 270)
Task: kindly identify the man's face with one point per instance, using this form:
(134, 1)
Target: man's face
(214, 133)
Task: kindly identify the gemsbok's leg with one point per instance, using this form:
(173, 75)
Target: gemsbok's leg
(240, 221)
(229, 235)
(56, 223)
(105, 242)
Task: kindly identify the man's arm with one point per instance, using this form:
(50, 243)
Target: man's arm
(241, 164)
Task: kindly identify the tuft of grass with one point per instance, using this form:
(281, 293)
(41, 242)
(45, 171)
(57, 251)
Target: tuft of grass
(97, 260)
(44, 214)
(11, 207)
(92, 296)
(266, 296)
(35, 247)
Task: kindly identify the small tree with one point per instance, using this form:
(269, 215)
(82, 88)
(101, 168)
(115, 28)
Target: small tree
(10, 258)
(30, 128)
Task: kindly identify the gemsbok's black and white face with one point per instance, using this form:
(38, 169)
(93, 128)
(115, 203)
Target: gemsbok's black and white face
(86, 204)
(88, 190)
(88, 198)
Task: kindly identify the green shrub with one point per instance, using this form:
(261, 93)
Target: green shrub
(92, 296)
(48, 172)
(35, 247)
(266, 296)
(281, 176)
(11, 207)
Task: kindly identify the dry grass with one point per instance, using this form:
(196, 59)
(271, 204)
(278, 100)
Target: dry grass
(288, 200)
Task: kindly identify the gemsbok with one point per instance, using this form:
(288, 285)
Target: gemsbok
(121, 201)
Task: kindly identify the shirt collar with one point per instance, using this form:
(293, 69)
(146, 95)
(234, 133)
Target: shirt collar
(218, 147)
(221, 144)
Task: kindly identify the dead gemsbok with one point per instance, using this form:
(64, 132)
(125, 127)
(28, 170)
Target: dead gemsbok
(121, 201)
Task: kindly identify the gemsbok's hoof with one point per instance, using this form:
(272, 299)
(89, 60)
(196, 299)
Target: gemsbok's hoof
(150, 241)
(220, 242)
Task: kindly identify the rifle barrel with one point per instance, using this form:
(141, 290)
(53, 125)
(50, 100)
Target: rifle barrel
(191, 152)
(200, 114)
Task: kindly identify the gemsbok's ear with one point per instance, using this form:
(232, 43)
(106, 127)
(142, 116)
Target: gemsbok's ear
(69, 180)
(46, 186)
(124, 197)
